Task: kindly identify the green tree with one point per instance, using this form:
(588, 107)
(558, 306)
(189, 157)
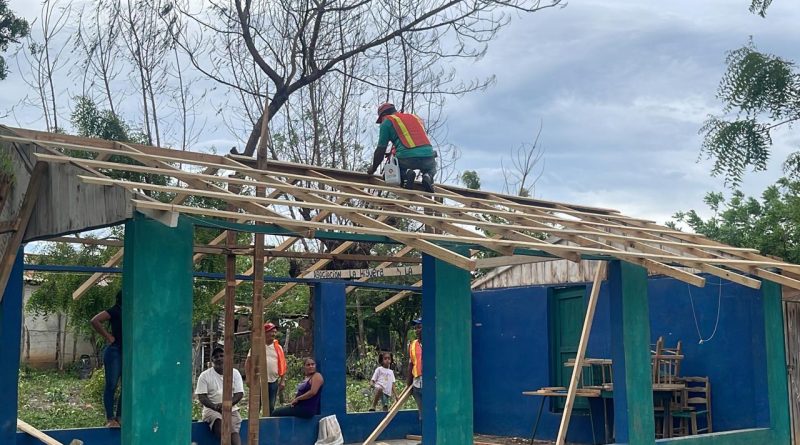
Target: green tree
(471, 180)
(771, 224)
(12, 28)
(54, 296)
(760, 93)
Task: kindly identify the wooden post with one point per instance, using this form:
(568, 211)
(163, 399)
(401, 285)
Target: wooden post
(42, 437)
(256, 344)
(581, 355)
(230, 303)
(258, 263)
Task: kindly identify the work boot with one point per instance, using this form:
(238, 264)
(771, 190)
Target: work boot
(427, 183)
(410, 177)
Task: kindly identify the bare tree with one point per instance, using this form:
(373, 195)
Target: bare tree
(44, 58)
(296, 43)
(97, 38)
(525, 169)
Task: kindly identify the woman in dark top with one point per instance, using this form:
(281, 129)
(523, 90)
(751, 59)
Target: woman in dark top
(112, 357)
(306, 401)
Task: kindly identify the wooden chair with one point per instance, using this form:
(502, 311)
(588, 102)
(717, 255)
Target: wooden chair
(666, 368)
(695, 401)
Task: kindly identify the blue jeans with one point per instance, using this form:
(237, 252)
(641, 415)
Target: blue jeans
(112, 359)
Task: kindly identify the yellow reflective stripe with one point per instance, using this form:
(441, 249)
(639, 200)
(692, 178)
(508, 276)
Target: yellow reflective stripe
(405, 135)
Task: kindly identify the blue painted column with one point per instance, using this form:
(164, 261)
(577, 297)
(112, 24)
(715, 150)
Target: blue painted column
(447, 402)
(630, 352)
(157, 333)
(329, 346)
(10, 337)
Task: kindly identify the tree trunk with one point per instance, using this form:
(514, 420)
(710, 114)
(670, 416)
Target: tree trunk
(59, 341)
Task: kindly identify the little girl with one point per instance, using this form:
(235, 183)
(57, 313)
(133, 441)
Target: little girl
(383, 381)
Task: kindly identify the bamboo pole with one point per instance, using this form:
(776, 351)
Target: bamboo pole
(581, 355)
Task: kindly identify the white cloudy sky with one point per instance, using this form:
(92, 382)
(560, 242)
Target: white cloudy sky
(621, 86)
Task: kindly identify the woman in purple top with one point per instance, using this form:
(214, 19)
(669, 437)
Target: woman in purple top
(306, 401)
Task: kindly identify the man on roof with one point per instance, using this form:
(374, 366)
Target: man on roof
(411, 146)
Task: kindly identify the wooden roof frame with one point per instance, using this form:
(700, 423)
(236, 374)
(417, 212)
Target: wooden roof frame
(363, 204)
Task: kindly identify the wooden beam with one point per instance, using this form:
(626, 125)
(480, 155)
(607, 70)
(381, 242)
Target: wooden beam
(577, 370)
(389, 416)
(408, 238)
(527, 221)
(397, 297)
(15, 239)
(33, 432)
(97, 276)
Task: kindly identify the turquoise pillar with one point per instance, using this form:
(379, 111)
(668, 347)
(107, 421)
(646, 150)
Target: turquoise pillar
(446, 354)
(157, 333)
(10, 337)
(777, 386)
(630, 352)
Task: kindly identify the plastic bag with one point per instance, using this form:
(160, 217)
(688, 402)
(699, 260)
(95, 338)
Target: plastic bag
(329, 432)
(391, 171)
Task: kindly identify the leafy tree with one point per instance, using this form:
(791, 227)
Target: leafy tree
(760, 93)
(471, 180)
(771, 225)
(54, 296)
(12, 28)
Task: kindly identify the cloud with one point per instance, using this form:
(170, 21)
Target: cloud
(621, 89)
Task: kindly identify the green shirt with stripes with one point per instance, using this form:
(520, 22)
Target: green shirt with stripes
(388, 134)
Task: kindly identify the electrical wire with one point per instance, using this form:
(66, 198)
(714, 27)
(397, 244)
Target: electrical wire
(694, 313)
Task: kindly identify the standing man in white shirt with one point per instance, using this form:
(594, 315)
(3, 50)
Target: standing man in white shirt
(209, 393)
(276, 365)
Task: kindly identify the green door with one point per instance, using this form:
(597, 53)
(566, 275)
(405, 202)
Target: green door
(568, 310)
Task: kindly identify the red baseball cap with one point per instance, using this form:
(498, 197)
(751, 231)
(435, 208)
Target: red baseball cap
(269, 327)
(383, 108)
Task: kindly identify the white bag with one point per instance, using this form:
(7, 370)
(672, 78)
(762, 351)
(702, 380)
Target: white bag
(329, 432)
(391, 171)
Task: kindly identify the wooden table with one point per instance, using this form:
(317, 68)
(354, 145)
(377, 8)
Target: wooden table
(597, 393)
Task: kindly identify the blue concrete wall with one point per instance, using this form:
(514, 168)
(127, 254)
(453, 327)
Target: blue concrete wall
(284, 430)
(511, 353)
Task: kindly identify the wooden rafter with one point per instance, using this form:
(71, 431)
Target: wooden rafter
(456, 213)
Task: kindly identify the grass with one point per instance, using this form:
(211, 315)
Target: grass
(57, 400)
(50, 399)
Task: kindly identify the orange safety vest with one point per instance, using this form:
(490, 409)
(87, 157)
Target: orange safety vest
(409, 129)
(281, 358)
(415, 355)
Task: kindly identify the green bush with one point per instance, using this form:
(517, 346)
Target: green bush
(94, 386)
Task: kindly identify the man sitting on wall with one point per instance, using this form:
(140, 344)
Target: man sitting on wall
(209, 393)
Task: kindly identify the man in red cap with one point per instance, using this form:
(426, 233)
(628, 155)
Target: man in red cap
(413, 148)
(276, 364)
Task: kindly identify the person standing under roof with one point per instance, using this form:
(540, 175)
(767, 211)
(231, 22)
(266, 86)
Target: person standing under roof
(112, 358)
(276, 365)
(413, 148)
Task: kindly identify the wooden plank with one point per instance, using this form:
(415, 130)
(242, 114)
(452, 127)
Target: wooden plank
(409, 238)
(397, 297)
(389, 416)
(581, 355)
(31, 431)
(15, 240)
(97, 276)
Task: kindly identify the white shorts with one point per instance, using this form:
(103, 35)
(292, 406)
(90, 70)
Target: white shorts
(210, 416)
